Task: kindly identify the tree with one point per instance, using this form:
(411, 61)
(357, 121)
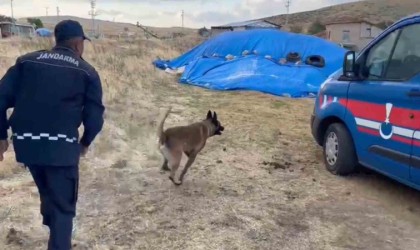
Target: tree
(296, 29)
(37, 22)
(316, 27)
(6, 19)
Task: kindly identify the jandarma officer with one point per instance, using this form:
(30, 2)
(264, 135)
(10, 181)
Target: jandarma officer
(52, 93)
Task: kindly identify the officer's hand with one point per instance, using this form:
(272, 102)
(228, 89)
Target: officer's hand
(4, 145)
(84, 151)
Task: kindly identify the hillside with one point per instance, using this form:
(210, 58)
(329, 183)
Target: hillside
(109, 27)
(373, 10)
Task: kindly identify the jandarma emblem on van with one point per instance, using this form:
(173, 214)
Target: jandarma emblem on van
(57, 56)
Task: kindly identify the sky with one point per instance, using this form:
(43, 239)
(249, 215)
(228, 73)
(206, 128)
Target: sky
(165, 13)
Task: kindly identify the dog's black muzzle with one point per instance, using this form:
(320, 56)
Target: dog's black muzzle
(219, 131)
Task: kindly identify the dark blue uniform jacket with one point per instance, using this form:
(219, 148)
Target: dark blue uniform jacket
(52, 93)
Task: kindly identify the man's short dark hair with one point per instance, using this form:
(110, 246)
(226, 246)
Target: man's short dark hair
(69, 42)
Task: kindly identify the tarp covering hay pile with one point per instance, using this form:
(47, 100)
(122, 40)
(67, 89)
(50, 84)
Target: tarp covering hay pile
(268, 61)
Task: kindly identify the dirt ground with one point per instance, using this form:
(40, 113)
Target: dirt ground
(261, 185)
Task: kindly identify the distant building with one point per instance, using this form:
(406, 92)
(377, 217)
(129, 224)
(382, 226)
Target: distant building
(8, 29)
(247, 25)
(204, 32)
(351, 33)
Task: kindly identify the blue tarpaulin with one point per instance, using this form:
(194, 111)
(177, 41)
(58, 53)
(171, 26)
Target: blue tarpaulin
(43, 32)
(250, 60)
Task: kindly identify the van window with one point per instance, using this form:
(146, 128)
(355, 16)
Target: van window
(405, 61)
(379, 56)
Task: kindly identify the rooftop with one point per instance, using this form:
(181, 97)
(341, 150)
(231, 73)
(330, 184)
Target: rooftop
(17, 24)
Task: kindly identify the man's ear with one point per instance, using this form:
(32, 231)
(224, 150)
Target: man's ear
(209, 115)
(79, 48)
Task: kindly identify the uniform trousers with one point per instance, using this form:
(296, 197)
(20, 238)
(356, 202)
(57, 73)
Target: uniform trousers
(58, 191)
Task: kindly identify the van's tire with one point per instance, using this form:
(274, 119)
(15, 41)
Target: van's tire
(338, 150)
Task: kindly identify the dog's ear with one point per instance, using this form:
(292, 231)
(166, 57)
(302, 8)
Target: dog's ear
(215, 116)
(209, 115)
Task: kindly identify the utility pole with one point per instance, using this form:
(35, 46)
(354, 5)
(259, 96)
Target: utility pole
(93, 13)
(182, 16)
(287, 11)
(11, 7)
(46, 11)
(58, 14)
(13, 19)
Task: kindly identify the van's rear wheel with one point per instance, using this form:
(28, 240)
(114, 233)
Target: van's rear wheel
(339, 153)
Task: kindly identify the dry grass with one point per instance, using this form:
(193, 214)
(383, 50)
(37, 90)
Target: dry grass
(261, 185)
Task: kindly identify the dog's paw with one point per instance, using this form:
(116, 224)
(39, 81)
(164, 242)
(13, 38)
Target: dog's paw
(165, 169)
(175, 182)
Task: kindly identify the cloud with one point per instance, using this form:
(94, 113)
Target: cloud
(237, 12)
(198, 13)
(111, 12)
(253, 9)
(153, 2)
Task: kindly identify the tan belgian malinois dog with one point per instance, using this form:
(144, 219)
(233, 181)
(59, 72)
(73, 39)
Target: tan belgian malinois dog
(188, 140)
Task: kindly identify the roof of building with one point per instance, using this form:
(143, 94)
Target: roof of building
(252, 23)
(17, 24)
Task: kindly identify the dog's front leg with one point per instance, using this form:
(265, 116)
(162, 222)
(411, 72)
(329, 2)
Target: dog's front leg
(190, 161)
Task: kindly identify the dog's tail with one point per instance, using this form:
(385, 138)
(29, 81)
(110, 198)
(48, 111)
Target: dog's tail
(160, 133)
